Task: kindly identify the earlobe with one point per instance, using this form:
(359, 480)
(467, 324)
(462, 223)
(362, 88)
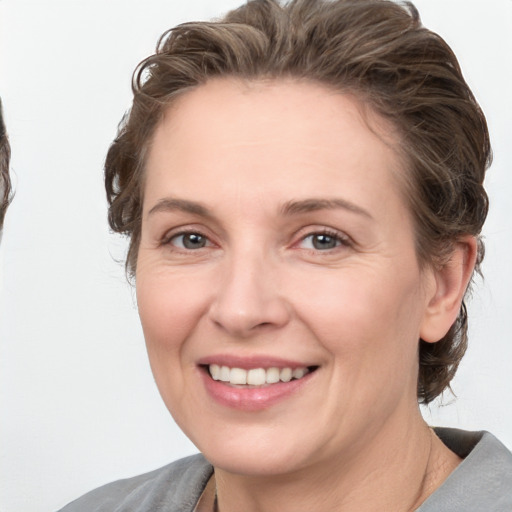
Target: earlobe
(450, 284)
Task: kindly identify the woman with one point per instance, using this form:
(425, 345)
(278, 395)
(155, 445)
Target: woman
(302, 188)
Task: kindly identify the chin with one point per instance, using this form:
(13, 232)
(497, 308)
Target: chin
(253, 463)
(256, 453)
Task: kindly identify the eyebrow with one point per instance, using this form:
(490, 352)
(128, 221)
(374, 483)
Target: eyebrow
(295, 207)
(313, 204)
(170, 204)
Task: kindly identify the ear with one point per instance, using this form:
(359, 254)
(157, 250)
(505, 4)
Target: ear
(449, 286)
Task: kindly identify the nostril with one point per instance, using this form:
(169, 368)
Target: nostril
(263, 324)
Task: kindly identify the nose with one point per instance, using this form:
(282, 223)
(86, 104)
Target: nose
(248, 299)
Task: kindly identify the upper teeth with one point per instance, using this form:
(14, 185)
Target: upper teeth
(255, 376)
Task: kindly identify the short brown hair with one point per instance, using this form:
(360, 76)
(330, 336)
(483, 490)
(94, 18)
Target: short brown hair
(5, 180)
(377, 50)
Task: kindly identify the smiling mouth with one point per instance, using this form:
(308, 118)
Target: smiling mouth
(256, 377)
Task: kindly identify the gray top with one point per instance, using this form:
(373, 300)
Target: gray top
(481, 483)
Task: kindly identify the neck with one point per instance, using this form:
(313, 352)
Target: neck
(396, 470)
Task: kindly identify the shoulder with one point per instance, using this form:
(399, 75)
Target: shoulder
(483, 480)
(175, 487)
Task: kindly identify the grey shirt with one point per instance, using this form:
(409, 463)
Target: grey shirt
(481, 483)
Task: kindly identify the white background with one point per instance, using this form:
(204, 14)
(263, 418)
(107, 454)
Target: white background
(78, 406)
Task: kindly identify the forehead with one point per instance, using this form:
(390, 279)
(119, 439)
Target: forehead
(256, 135)
(260, 103)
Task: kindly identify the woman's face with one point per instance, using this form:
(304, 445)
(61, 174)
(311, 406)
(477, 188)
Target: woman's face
(275, 242)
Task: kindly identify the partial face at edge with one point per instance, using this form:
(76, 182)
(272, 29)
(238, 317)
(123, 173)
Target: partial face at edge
(274, 235)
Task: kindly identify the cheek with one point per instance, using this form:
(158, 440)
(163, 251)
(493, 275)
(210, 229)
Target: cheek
(169, 308)
(364, 316)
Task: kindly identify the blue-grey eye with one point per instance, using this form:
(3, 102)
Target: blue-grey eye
(324, 242)
(190, 241)
(321, 241)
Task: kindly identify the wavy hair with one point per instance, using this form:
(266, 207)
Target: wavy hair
(5, 180)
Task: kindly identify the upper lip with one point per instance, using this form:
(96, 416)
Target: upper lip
(250, 362)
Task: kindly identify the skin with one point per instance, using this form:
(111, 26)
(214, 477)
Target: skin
(351, 438)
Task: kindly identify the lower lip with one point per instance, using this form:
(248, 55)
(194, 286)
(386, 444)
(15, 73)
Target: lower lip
(252, 399)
